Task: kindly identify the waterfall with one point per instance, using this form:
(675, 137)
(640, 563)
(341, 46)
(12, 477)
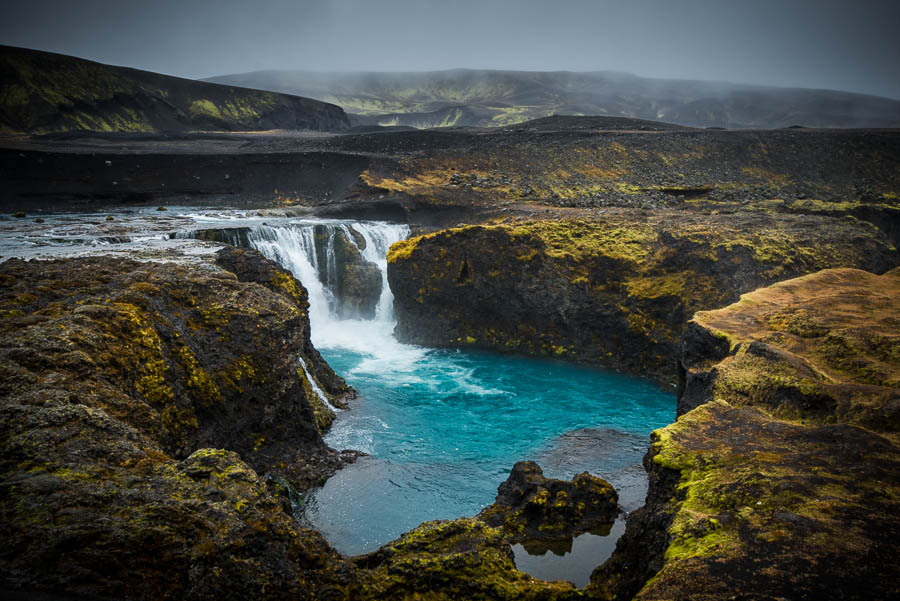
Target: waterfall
(294, 248)
(309, 250)
(378, 241)
(315, 386)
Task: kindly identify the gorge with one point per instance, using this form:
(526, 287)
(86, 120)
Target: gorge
(442, 427)
(577, 357)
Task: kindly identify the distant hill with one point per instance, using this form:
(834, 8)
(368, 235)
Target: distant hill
(496, 98)
(44, 92)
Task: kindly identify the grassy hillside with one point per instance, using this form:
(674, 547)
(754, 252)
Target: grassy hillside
(497, 98)
(43, 92)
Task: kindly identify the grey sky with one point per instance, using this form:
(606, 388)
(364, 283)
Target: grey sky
(846, 45)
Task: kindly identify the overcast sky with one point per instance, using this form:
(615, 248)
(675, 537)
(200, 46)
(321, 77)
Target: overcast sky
(845, 45)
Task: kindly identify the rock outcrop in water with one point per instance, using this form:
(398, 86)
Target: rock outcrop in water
(783, 480)
(139, 403)
(471, 558)
(531, 507)
(355, 282)
(616, 290)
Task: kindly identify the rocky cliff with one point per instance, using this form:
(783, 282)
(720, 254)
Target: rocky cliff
(783, 480)
(45, 92)
(830, 342)
(615, 290)
(556, 166)
(149, 414)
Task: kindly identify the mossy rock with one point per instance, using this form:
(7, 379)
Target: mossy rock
(781, 476)
(742, 504)
(617, 291)
(95, 508)
(458, 560)
(824, 348)
(193, 357)
(139, 403)
(531, 507)
(355, 282)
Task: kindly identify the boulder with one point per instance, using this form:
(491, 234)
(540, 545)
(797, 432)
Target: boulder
(532, 507)
(355, 282)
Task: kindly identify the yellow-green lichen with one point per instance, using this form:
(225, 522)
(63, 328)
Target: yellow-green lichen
(200, 384)
(290, 286)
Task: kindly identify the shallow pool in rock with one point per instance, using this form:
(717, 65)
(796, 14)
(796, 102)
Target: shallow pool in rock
(571, 560)
(444, 427)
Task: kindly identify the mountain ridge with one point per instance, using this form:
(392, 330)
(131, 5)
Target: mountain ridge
(484, 97)
(44, 92)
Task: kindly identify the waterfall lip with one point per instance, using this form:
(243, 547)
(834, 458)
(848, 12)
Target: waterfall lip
(233, 219)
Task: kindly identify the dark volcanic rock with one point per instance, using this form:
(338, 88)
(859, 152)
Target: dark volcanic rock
(616, 290)
(193, 358)
(249, 266)
(517, 171)
(742, 505)
(459, 560)
(61, 179)
(95, 509)
(117, 377)
(354, 281)
(360, 289)
(829, 340)
(531, 507)
(768, 488)
(446, 176)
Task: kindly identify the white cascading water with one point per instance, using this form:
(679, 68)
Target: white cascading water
(315, 385)
(293, 246)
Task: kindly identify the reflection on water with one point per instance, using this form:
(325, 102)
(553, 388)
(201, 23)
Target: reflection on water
(572, 559)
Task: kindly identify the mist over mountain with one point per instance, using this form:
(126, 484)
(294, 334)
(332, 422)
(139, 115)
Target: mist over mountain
(486, 98)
